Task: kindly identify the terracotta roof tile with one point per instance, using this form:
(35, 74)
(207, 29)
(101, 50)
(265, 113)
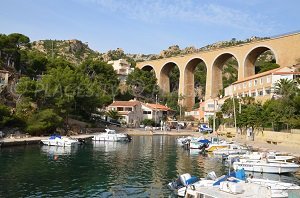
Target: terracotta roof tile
(124, 103)
(257, 75)
(158, 107)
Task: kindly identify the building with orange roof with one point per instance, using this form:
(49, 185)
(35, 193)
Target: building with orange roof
(155, 112)
(198, 113)
(261, 86)
(131, 112)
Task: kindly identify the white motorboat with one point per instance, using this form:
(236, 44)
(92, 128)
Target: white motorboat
(229, 189)
(263, 166)
(183, 140)
(278, 189)
(215, 144)
(231, 149)
(179, 185)
(57, 140)
(111, 135)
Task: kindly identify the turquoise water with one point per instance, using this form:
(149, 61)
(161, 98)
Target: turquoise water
(141, 168)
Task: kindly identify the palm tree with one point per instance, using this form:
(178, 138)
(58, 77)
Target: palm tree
(286, 88)
(113, 114)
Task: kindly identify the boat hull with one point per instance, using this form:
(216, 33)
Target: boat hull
(212, 148)
(61, 143)
(266, 167)
(110, 138)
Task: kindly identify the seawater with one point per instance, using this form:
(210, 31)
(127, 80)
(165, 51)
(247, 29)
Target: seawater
(141, 168)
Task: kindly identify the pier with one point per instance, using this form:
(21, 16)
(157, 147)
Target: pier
(14, 141)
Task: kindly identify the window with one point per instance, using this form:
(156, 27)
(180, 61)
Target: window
(128, 108)
(210, 105)
(260, 93)
(268, 91)
(261, 81)
(253, 94)
(146, 112)
(255, 82)
(245, 85)
(250, 83)
(120, 109)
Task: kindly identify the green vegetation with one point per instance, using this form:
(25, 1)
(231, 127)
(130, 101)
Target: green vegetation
(148, 122)
(279, 114)
(53, 88)
(143, 85)
(113, 114)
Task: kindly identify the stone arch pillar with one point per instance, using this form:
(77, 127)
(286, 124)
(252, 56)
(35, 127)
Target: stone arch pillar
(251, 57)
(188, 89)
(216, 72)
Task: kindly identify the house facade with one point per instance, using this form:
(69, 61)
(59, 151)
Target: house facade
(122, 67)
(198, 113)
(156, 112)
(261, 86)
(131, 112)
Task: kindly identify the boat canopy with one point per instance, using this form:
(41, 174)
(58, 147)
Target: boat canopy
(53, 136)
(205, 141)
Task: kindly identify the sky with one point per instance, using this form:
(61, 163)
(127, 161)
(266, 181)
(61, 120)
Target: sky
(145, 26)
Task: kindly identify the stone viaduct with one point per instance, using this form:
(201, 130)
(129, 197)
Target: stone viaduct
(286, 49)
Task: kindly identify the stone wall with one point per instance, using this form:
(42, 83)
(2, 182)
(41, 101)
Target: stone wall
(274, 137)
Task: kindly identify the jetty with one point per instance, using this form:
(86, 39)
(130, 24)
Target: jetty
(26, 140)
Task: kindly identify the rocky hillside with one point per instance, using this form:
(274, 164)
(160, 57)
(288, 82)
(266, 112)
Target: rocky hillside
(75, 51)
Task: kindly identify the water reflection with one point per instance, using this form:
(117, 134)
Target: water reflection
(108, 146)
(58, 150)
(141, 168)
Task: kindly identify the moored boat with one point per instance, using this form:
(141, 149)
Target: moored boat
(215, 144)
(263, 166)
(57, 140)
(111, 135)
(231, 149)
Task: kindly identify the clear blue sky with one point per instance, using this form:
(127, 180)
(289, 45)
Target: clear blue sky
(148, 26)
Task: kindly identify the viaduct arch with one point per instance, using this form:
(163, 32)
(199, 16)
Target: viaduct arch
(286, 49)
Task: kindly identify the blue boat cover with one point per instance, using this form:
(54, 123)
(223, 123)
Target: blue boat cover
(240, 174)
(205, 141)
(52, 137)
(192, 180)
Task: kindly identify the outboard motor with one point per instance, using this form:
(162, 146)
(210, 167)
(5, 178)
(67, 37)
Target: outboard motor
(81, 141)
(129, 138)
(203, 147)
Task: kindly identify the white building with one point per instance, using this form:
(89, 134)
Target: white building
(131, 111)
(261, 86)
(155, 112)
(122, 67)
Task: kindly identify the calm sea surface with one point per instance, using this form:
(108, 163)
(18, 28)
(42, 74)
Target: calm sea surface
(141, 168)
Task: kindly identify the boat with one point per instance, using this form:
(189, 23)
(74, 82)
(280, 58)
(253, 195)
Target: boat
(179, 185)
(235, 184)
(269, 156)
(229, 189)
(231, 149)
(264, 166)
(183, 140)
(57, 140)
(216, 143)
(278, 189)
(111, 135)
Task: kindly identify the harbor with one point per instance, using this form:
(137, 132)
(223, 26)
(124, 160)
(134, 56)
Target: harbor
(140, 168)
